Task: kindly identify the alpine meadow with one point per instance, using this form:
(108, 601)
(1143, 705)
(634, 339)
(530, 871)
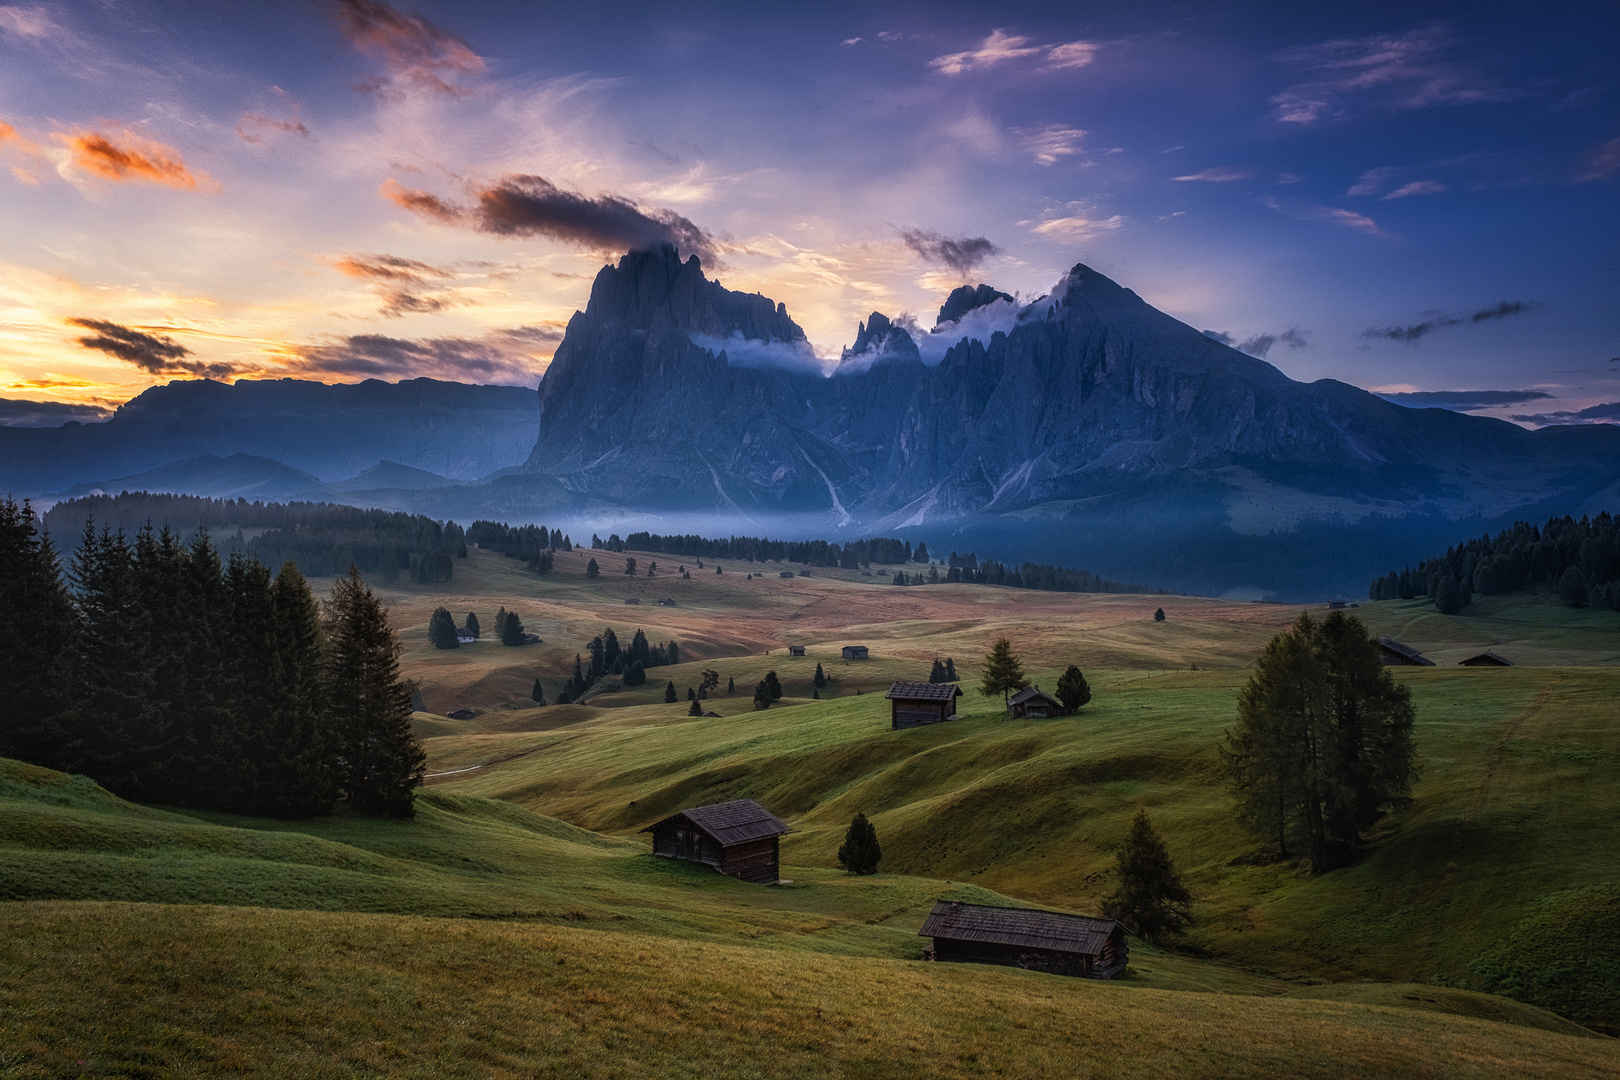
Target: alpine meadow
(852, 541)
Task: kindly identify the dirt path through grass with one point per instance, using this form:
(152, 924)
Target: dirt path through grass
(1508, 731)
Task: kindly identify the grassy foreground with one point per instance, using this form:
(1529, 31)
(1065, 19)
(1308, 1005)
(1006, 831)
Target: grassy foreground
(204, 992)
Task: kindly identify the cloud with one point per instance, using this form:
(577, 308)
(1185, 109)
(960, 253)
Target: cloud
(1000, 48)
(1306, 211)
(253, 128)
(1602, 163)
(1416, 187)
(515, 356)
(1220, 175)
(1077, 228)
(1260, 344)
(1388, 72)
(1051, 143)
(32, 23)
(519, 205)
(412, 49)
(962, 254)
(407, 287)
(1417, 331)
(125, 155)
(1596, 414)
(1219, 335)
(17, 412)
(387, 268)
(1463, 400)
(796, 356)
(155, 354)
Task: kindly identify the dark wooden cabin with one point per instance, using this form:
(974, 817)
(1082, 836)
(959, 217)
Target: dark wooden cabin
(739, 839)
(1048, 941)
(787, 573)
(912, 704)
(795, 650)
(855, 652)
(1394, 654)
(1486, 659)
(1033, 703)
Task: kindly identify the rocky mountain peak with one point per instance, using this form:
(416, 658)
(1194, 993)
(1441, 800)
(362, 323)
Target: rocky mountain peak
(964, 299)
(879, 336)
(655, 287)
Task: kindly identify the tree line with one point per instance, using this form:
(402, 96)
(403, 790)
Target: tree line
(323, 539)
(1581, 559)
(609, 657)
(533, 544)
(171, 675)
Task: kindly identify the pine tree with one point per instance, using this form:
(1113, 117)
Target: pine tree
(731, 686)
(538, 693)
(472, 625)
(1072, 689)
(610, 649)
(1448, 597)
(630, 567)
(592, 570)
(1151, 899)
(384, 762)
(442, 630)
(937, 675)
(1158, 616)
(38, 643)
(512, 629)
(762, 695)
(774, 685)
(815, 695)
(576, 682)
(635, 674)
(694, 709)
(1571, 588)
(301, 739)
(1003, 671)
(669, 693)
(500, 622)
(950, 670)
(821, 676)
(860, 853)
(691, 694)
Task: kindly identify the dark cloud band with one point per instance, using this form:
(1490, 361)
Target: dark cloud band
(961, 254)
(1417, 331)
(155, 354)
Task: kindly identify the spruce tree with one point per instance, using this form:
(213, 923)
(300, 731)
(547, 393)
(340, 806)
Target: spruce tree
(635, 674)
(669, 692)
(38, 643)
(1571, 589)
(302, 742)
(442, 630)
(1072, 689)
(384, 761)
(538, 693)
(512, 629)
(592, 570)
(691, 694)
(821, 676)
(815, 695)
(937, 675)
(500, 622)
(762, 695)
(773, 684)
(112, 736)
(472, 625)
(576, 682)
(731, 686)
(1003, 671)
(860, 853)
(1158, 616)
(950, 670)
(1151, 899)
(694, 709)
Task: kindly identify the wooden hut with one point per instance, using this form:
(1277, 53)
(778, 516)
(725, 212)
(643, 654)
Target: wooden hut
(912, 704)
(1486, 659)
(668, 601)
(1394, 654)
(1035, 940)
(786, 573)
(738, 838)
(795, 650)
(633, 600)
(854, 652)
(1033, 703)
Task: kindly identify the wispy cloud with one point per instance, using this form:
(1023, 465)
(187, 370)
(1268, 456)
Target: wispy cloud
(1602, 163)
(407, 286)
(1418, 331)
(1077, 227)
(516, 356)
(255, 128)
(151, 352)
(1463, 400)
(1261, 344)
(1416, 187)
(18, 412)
(1001, 48)
(1388, 72)
(1222, 174)
(1050, 144)
(962, 254)
(125, 156)
(30, 24)
(414, 51)
(1606, 413)
(1308, 211)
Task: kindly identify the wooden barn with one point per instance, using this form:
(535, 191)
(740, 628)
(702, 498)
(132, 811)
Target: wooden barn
(795, 650)
(1486, 659)
(1033, 703)
(855, 652)
(1048, 941)
(912, 704)
(738, 838)
(786, 573)
(1394, 654)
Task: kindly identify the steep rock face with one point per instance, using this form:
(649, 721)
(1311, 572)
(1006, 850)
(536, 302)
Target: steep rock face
(1090, 393)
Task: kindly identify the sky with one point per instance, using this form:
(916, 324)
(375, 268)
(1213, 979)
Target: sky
(1420, 199)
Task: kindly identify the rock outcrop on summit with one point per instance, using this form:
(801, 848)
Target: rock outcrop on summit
(672, 392)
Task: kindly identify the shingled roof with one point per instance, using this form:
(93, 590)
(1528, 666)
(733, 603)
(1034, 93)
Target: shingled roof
(1024, 927)
(1029, 693)
(923, 691)
(1405, 650)
(734, 822)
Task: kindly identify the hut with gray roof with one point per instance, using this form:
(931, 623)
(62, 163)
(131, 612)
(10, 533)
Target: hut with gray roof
(1028, 938)
(913, 704)
(739, 839)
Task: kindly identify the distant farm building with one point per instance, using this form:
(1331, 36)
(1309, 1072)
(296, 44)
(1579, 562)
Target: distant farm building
(795, 650)
(461, 714)
(465, 636)
(633, 600)
(1048, 941)
(739, 839)
(785, 573)
(711, 714)
(1033, 703)
(854, 652)
(1486, 659)
(914, 704)
(1394, 654)
(668, 601)
(1338, 605)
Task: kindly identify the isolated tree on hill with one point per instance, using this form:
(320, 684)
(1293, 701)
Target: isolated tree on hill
(937, 675)
(691, 694)
(731, 686)
(1151, 899)
(710, 680)
(719, 569)
(762, 695)
(630, 567)
(694, 709)
(472, 625)
(669, 692)
(512, 630)
(774, 685)
(1158, 616)
(860, 853)
(592, 570)
(38, 639)
(442, 630)
(635, 674)
(821, 676)
(385, 762)
(815, 695)
(1072, 689)
(1323, 746)
(576, 681)
(1003, 671)
(538, 694)
(652, 569)
(950, 670)
(500, 623)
